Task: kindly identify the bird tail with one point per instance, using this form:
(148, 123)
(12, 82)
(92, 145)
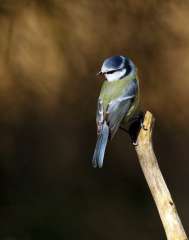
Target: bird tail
(100, 148)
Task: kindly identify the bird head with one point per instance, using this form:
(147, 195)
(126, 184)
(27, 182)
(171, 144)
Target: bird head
(117, 67)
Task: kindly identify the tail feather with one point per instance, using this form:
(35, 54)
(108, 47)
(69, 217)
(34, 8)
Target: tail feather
(100, 148)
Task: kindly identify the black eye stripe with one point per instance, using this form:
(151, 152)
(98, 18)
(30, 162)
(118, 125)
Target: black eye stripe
(109, 72)
(112, 71)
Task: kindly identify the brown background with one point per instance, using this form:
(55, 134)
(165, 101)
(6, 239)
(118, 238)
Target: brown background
(50, 52)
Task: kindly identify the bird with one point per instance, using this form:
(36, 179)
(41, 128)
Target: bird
(118, 102)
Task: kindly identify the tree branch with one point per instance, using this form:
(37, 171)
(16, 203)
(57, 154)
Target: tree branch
(160, 193)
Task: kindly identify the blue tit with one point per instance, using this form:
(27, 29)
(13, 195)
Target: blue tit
(118, 102)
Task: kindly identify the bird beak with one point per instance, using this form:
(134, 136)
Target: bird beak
(99, 73)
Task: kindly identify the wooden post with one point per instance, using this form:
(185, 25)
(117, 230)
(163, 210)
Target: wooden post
(160, 193)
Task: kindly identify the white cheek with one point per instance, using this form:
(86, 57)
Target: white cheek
(116, 75)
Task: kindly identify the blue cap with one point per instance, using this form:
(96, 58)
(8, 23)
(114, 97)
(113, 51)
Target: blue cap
(113, 63)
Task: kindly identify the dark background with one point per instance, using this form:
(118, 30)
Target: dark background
(50, 52)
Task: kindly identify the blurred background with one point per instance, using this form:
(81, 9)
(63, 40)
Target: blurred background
(50, 52)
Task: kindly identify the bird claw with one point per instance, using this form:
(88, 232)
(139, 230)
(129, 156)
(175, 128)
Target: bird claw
(142, 126)
(135, 143)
